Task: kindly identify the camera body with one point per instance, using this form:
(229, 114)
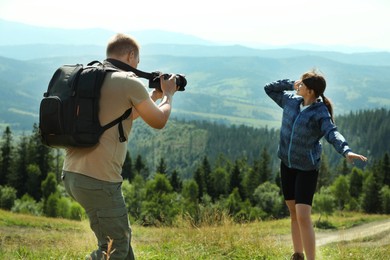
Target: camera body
(155, 81)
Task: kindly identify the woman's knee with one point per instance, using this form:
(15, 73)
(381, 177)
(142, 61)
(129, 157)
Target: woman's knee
(303, 213)
(291, 208)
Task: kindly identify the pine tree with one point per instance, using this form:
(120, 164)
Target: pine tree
(234, 202)
(175, 181)
(235, 179)
(34, 181)
(49, 186)
(340, 191)
(162, 167)
(190, 205)
(127, 168)
(371, 197)
(190, 191)
(356, 183)
(343, 168)
(206, 169)
(252, 181)
(199, 179)
(386, 169)
(58, 164)
(6, 156)
(40, 154)
(265, 170)
(385, 199)
(223, 161)
(140, 167)
(324, 178)
(19, 176)
(220, 180)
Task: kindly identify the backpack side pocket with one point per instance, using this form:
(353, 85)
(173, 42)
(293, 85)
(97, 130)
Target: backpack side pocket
(51, 118)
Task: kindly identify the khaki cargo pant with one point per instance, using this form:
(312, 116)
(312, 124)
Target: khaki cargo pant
(104, 204)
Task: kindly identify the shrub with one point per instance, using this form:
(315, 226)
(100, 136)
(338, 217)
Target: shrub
(7, 197)
(49, 185)
(324, 202)
(27, 205)
(63, 207)
(267, 198)
(134, 195)
(50, 205)
(385, 198)
(76, 211)
(160, 206)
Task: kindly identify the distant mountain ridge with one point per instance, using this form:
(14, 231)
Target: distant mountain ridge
(14, 33)
(24, 52)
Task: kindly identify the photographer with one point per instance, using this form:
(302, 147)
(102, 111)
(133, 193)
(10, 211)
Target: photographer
(92, 176)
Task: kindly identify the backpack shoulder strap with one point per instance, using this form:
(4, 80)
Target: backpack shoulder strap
(125, 115)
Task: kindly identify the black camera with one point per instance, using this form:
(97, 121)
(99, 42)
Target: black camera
(154, 82)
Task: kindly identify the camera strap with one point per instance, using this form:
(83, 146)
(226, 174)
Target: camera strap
(125, 67)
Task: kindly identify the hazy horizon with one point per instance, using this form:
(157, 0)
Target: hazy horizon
(358, 24)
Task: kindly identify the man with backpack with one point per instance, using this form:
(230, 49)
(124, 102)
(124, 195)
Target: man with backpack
(92, 175)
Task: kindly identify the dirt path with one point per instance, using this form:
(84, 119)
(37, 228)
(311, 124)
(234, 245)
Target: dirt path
(359, 232)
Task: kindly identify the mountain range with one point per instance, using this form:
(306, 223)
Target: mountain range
(225, 82)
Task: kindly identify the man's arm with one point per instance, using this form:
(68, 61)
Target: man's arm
(154, 115)
(154, 95)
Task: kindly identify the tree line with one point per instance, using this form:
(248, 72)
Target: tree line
(243, 185)
(366, 131)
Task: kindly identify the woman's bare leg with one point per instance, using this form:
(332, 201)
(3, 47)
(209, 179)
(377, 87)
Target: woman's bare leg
(295, 230)
(303, 214)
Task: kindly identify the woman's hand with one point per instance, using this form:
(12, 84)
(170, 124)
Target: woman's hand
(354, 156)
(296, 84)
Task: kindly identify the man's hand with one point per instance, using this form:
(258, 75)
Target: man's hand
(155, 94)
(168, 86)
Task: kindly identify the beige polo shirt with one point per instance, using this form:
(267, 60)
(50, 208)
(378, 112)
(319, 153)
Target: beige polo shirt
(120, 91)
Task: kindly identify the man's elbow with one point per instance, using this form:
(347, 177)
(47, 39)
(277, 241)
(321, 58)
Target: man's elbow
(159, 126)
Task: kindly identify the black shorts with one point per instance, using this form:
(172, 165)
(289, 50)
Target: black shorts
(298, 185)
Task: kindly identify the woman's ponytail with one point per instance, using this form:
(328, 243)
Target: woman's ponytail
(329, 106)
(317, 83)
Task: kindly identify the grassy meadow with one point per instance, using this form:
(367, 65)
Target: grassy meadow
(30, 237)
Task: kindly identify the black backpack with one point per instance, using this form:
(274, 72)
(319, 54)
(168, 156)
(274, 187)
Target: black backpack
(69, 111)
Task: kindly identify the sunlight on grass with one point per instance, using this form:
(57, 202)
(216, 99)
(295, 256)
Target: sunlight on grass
(231, 241)
(29, 237)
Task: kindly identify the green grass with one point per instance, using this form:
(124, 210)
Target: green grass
(29, 237)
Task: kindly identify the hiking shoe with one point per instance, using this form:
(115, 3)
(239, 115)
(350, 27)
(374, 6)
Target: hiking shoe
(298, 256)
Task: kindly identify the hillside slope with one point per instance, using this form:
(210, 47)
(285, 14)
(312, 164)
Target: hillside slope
(220, 89)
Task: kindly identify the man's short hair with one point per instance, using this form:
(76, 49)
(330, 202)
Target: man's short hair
(121, 44)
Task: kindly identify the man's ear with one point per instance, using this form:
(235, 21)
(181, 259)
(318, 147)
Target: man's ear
(130, 56)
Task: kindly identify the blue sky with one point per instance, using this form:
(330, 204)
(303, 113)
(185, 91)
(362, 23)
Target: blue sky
(357, 23)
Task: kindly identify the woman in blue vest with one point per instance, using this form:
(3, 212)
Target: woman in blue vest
(307, 117)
